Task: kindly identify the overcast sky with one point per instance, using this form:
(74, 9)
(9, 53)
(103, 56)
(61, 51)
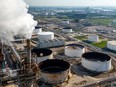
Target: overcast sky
(71, 2)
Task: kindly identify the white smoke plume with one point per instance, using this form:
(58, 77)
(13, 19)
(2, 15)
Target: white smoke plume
(14, 19)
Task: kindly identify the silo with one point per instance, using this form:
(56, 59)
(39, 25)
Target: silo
(42, 54)
(74, 50)
(45, 36)
(95, 61)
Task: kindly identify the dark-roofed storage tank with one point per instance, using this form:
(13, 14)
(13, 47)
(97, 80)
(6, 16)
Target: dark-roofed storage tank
(42, 54)
(54, 71)
(96, 61)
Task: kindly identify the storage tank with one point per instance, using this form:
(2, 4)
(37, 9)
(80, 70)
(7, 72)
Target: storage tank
(67, 29)
(42, 54)
(95, 61)
(37, 30)
(54, 71)
(45, 36)
(93, 38)
(111, 45)
(74, 50)
(65, 21)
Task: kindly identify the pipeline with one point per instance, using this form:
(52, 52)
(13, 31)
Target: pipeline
(14, 51)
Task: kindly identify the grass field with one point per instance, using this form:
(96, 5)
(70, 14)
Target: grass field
(102, 21)
(83, 37)
(101, 44)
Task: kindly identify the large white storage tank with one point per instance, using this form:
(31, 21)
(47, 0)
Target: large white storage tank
(95, 61)
(111, 45)
(42, 54)
(93, 38)
(37, 30)
(45, 36)
(74, 50)
(67, 29)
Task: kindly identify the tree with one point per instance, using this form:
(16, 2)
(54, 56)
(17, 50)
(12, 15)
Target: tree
(76, 20)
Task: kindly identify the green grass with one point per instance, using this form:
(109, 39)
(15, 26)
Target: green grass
(84, 37)
(101, 44)
(102, 21)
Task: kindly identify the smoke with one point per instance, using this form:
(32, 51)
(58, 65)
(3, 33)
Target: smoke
(15, 20)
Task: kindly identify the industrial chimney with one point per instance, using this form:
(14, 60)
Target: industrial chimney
(28, 59)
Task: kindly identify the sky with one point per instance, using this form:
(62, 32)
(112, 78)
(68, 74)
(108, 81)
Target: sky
(71, 2)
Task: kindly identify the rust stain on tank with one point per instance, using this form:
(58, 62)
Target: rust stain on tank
(54, 71)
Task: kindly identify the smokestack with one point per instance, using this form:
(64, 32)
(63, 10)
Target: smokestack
(1, 52)
(28, 60)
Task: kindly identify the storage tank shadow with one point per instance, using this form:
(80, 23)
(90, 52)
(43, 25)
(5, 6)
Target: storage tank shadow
(42, 54)
(95, 61)
(54, 71)
(74, 50)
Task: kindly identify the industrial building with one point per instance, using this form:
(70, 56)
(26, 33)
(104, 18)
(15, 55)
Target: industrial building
(51, 43)
(93, 38)
(74, 50)
(97, 62)
(111, 45)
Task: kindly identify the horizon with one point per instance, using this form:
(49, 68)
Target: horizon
(71, 2)
(72, 6)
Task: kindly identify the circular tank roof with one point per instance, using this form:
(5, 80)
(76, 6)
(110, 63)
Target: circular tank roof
(41, 52)
(37, 27)
(67, 28)
(75, 46)
(95, 56)
(45, 33)
(53, 66)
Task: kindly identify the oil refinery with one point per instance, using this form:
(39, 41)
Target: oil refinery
(43, 52)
